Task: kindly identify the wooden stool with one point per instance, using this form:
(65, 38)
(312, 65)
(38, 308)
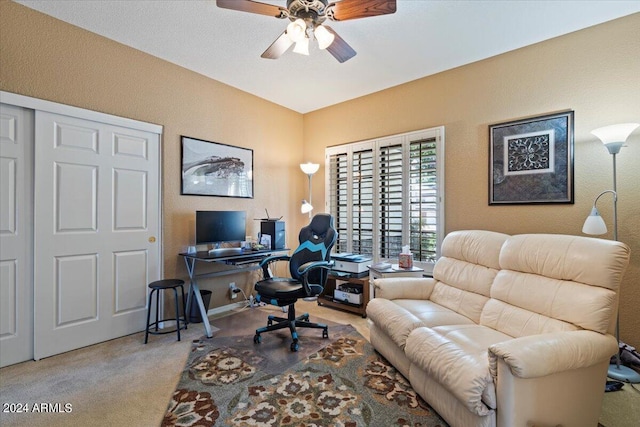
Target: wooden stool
(156, 287)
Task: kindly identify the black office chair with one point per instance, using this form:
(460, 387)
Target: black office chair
(308, 266)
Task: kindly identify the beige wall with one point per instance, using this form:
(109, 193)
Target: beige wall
(595, 72)
(45, 58)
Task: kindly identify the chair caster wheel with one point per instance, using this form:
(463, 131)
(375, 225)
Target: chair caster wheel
(257, 339)
(295, 346)
(269, 322)
(325, 333)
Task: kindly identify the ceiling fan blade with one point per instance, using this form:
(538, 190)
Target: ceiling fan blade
(353, 9)
(278, 47)
(251, 6)
(340, 49)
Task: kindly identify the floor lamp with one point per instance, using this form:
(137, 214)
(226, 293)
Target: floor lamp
(309, 169)
(613, 137)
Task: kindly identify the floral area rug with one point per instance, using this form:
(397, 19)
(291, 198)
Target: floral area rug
(230, 381)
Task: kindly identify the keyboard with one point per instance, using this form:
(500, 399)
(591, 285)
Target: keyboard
(225, 251)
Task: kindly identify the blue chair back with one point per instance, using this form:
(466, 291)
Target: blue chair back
(316, 241)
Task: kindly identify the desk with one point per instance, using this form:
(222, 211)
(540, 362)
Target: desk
(246, 260)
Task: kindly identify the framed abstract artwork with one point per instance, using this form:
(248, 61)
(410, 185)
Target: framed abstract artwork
(531, 160)
(213, 169)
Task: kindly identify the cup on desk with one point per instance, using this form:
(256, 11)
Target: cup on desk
(191, 250)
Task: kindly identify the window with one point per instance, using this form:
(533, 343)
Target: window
(387, 193)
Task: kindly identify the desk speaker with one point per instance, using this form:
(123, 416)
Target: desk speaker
(275, 229)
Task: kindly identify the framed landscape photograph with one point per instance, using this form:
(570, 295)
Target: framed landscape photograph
(213, 169)
(531, 160)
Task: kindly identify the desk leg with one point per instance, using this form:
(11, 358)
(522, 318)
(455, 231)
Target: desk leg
(194, 291)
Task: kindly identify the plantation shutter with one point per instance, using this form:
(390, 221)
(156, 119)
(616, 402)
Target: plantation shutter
(391, 195)
(362, 202)
(423, 199)
(388, 192)
(338, 198)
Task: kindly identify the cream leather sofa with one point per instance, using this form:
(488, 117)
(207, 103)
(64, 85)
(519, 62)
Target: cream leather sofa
(511, 331)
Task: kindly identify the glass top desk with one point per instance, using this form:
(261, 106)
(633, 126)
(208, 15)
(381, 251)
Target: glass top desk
(238, 261)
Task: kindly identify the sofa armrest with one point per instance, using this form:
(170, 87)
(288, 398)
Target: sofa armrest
(404, 288)
(545, 354)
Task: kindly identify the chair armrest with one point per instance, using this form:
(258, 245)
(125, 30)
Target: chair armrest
(264, 264)
(545, 354)
(313, 265)
(404, 288)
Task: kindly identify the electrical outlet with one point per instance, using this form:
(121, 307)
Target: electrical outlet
(232, 287)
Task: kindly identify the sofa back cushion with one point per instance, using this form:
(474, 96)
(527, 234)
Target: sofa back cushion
(550, 283)
(465, 271)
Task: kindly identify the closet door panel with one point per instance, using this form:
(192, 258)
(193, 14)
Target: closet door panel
(97, 222)
(16, 219)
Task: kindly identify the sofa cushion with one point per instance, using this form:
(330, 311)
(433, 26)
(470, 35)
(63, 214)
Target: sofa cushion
(399, 317)
(465, 271)
(480, 247)
(456, 356)
(552, 283)
(431, 314)
(595, 262)
(518, 322)
(522, 305)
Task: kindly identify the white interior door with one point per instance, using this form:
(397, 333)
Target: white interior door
(97, 229)
(16, 226)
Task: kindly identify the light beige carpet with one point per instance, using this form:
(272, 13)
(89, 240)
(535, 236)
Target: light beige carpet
(126, 383)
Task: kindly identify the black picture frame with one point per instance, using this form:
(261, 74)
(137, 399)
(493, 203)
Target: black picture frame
(215, 169)
(531, 160)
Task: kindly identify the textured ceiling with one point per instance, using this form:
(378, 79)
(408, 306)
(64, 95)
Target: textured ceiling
(423, 37)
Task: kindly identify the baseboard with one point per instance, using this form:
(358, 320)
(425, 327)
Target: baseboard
(212, 311)
(225, 308)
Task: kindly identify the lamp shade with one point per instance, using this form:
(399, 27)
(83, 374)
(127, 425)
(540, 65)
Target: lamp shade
(296, 30)
(302, 46)
(615, 133)
(594, 224)
(306, 207)
(309, 168)
(324, 37)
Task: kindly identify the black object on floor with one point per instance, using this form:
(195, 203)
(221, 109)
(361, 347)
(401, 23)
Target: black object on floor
(194, 311)
(613, 386)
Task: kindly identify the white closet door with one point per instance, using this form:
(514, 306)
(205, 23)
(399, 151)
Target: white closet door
(16, 226)
(97, 242)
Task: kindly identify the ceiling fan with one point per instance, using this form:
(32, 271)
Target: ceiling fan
(307, 21)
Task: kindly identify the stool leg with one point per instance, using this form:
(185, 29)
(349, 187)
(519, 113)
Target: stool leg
(157, 307)
(175, 295)
(184, 308)
(146, 331)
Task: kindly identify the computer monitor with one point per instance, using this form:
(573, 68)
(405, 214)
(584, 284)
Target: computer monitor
(215, 227)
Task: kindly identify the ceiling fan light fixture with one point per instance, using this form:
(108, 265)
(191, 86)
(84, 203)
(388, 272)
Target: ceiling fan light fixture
(302, 47)
(324, 37)
(308, 16)
(297, 30)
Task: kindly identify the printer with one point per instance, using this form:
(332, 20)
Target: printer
(351, 263)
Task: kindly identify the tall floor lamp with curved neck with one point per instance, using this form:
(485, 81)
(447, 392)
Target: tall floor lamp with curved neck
(613, 137)
(309, 169)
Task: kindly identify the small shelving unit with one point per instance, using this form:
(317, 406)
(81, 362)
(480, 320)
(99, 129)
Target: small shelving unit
(326, 298)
